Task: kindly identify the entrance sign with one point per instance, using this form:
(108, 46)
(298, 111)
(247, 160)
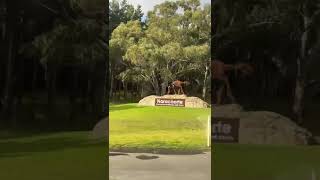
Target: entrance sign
(225, 130)
(170, 102)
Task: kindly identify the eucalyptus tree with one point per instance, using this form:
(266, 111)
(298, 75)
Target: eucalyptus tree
(303, 18)
(119, 12)
(300, 21)
(161, 50)
(292, 28)
(200, 29)
(78, 38)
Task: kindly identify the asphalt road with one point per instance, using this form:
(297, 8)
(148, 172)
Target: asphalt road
(168, 167)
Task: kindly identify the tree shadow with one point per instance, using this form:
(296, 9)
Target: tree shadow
(117, 154)
(15, 148)
(124, 107)
(147, 157)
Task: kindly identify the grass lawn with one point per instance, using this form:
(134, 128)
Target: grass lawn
(262, 162)
(157, 129)
(60, 156)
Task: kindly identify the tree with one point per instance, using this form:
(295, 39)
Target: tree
(161, 50)
(11, 39)
(77, 39)
(308, 18)
(119, 12)
(279, 34)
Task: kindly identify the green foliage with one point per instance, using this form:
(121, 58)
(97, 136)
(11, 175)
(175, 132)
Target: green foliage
(72, 40)
(126, 35)
(122, 12)
(88, 6)
(77, 43)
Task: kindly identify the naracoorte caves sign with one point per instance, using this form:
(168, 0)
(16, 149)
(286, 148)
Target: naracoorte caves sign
(170, 102)
(225, 130)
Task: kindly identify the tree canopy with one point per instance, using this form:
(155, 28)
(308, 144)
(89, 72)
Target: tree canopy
(280, 37)
(173, 44)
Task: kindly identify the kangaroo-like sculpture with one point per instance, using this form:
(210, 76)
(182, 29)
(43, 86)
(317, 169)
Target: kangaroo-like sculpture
(176, 87)
(220, 77)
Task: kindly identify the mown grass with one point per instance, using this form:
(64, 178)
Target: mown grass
(71, 155)
(265, 162)
(157, 129)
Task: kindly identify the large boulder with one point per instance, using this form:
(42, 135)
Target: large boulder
(191, 102)
(100, 130)
(263, 127)
(227, 111)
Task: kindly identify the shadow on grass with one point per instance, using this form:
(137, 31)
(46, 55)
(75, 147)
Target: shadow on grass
(13, 134)
(117, 154)
(14, 148)
(146, 157)
(124, 107)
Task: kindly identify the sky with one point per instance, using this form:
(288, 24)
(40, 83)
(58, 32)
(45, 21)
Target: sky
(148, 5)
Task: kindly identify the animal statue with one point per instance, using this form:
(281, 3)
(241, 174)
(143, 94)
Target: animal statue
(176, 87)
(221, 80)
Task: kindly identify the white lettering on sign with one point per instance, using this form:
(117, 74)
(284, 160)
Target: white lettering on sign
(221, 128)
(170, 102)
(225, 130)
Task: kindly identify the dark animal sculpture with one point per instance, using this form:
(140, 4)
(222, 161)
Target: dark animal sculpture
(221, 80)
(176, 87)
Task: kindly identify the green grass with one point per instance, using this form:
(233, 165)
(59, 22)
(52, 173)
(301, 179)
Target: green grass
(157, 129)
(265, 162)
(52, 156)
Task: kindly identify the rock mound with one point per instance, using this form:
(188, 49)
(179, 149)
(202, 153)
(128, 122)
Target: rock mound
(263, 127)
(227, 111)
(101, 129)
(191, 102)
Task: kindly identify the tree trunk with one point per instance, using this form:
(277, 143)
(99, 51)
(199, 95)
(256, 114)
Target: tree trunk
(164, 86)
(34, 76)
(7, 96)
(111, 82)
(125, 90)
(205, 80)
(51, 88)
(300, 78)
(33, 87)
(142, 91)
(11, 55)
(298, 99)
(73, 96)
(88, 103)
(155, 84)
(100, 85)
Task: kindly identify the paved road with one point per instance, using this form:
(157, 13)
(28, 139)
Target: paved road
(168, 167)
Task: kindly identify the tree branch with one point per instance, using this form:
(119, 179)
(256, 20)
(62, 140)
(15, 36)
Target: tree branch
(236, 29)
(262, 23)
(48, 8)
